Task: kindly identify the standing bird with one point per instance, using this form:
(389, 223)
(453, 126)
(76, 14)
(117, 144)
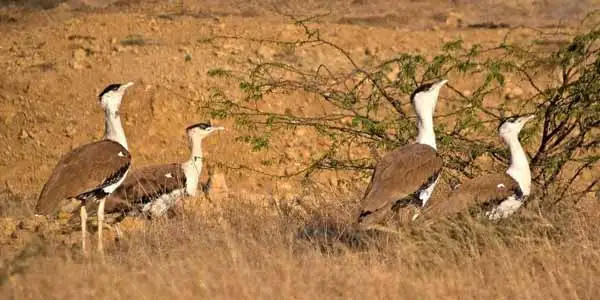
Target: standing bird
(503, 192)
(408, 174)
(152, 190)
(92, 171)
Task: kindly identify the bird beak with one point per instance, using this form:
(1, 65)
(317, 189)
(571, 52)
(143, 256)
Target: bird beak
(218, 128)
(526, 119)
(126, 85)
(442, 82)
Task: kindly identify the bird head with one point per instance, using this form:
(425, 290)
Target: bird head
(111, 96)
(425, 97)
(511, 127)
(201, 130)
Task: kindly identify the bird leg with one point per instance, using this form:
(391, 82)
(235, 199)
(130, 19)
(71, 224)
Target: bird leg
(118, 231)
(100, 225)
(83, 216)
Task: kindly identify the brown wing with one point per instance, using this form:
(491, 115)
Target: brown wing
(84, 169)
(145, 184)
(398, 175)
(479, 191)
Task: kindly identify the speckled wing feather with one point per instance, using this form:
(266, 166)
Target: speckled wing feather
(477, 192)
(82, 171)
(141, 186)
(399, 174)
(145, 184)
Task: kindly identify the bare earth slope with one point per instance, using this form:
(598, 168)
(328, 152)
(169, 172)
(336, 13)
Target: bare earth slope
(54, 63)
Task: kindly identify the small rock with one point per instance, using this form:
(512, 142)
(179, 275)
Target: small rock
(70, 131)
(517, 91)
(301, 131)
(79, 54)
(333, 181)
(454, 20)
(78, 59)
(512, 93)
(94, 48)
(24, 134)
(27, 225)
(77, 65)
(266, 52)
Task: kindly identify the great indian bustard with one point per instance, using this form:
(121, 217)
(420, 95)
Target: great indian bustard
(503, 193)
(408, 174)
(152, 190)
(92, 171)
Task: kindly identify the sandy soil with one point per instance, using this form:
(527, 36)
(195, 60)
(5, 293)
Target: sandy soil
(56, 61)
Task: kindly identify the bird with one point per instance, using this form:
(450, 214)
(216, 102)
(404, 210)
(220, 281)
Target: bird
(408, 174)
(152, 190)
(501, 194)
(90, 172)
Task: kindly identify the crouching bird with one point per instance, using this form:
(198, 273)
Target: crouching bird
(150, 191)
(499, 194)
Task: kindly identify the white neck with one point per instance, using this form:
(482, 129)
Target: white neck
(113, 130)
(519, 166)
(193, 167)
(425, 127)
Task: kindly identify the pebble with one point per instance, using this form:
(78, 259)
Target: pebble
(24, 134)
(512, 93)
(70, 131)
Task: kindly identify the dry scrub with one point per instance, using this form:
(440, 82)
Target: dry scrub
(286, 251)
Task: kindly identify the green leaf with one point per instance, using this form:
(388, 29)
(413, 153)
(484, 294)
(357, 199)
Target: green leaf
(218, 72)
(453, 46)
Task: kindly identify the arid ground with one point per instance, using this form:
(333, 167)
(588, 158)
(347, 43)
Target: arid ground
(259, 236)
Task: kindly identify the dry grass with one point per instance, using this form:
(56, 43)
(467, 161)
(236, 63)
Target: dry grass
(241, 251)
